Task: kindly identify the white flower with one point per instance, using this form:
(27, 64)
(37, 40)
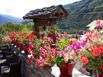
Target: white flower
(29, 56)
(15, 46)
(22, 51)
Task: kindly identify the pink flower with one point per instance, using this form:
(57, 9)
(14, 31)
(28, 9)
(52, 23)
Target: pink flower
(90, 47)
(49, 40)
(43, 54)
(30, 45)
(95, 35)
(60, 36)
(40, 62)
(60, 53)
(42, 49)
(66, 57)
(29, 51)
(98, 23)
(53, 51)
(66, 34)
(44, 46)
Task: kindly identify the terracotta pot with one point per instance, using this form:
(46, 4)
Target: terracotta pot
(66, 70)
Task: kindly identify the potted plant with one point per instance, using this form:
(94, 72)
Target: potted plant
(91, 54)
(67, 50)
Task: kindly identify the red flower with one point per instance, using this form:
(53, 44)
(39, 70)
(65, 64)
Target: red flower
(84, 60)
(71, 42)
(49, 34)
(101, 67)
(19, 44)
(30, 36)
(29, 60)
(96, 52)
(51, 58)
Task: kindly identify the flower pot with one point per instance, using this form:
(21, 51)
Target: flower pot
(55, 71)
(100, 75)
(66, 70)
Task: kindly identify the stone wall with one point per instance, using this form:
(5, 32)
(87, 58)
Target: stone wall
(29, 70)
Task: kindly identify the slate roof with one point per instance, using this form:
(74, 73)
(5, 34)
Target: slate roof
(46, 12)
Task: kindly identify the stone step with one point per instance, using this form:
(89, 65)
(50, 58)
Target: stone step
(1, 56)
(2, 61)
(5, 69)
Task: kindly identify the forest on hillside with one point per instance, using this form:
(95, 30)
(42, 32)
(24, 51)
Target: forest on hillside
(81, 13)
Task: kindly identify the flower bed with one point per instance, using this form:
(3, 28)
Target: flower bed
(43, 51)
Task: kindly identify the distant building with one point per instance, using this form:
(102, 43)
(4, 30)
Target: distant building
(95, 24)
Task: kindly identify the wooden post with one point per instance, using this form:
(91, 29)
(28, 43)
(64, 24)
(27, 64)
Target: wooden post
(52, 23)
(36, 28)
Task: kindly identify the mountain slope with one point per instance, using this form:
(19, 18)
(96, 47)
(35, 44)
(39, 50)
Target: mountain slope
(81, 13)
(7, 18)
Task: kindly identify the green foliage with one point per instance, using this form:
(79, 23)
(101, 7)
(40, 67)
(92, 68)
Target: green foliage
(63, 43)
(16, 27)
(59, 60)
(28, 27)
(99, 7)
(81, 13)
(8, 27)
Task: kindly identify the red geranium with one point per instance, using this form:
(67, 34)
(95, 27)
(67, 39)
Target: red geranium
(30, 36)
(96, 52)
(92, 51)
(84, 60)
